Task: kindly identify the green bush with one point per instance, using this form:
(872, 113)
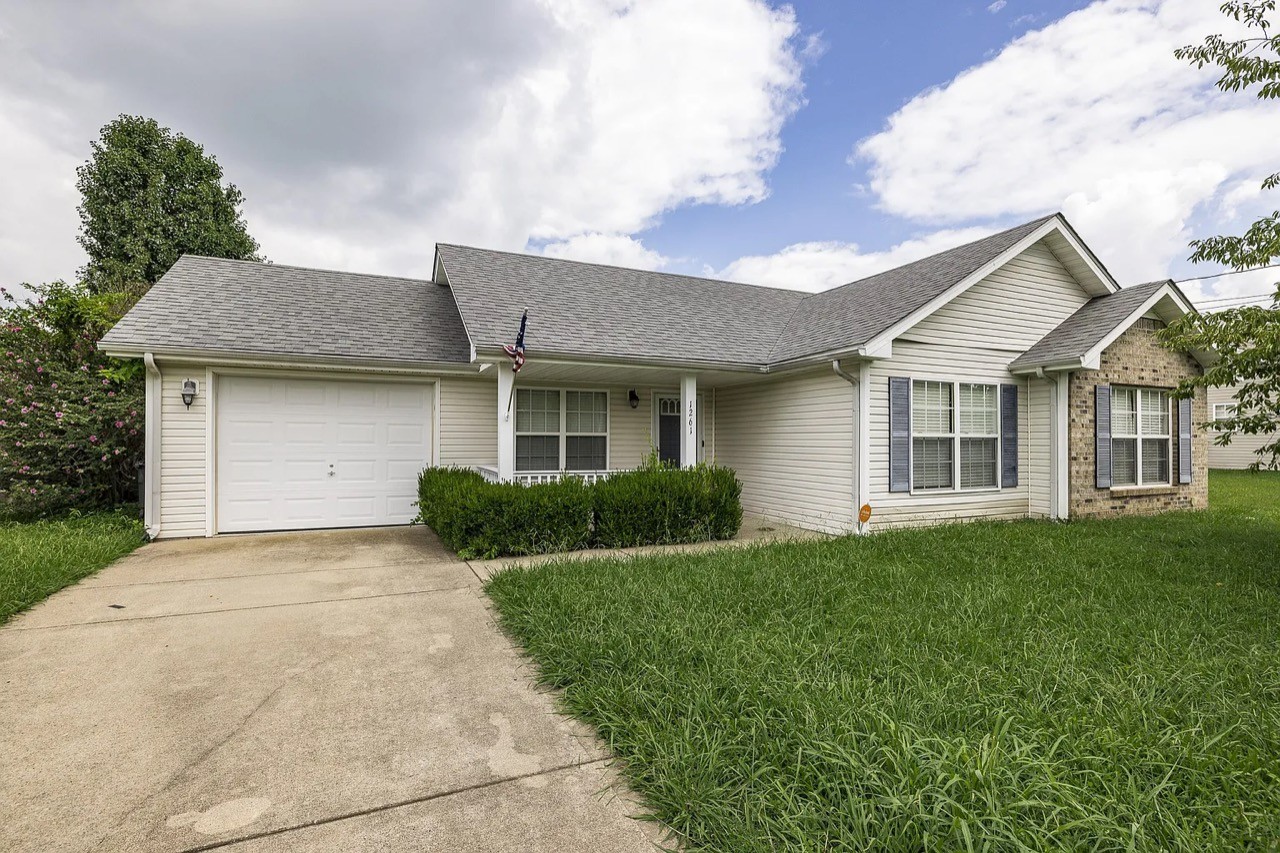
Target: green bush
(656, 505)
(479, 519)
(653, 505)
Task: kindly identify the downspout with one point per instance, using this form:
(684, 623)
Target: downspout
(854, 497)
(151, 451)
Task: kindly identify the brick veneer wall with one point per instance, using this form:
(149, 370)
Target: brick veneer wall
(1136, 358)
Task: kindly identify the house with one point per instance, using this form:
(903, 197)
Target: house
(1005, 378)
(1243, 449)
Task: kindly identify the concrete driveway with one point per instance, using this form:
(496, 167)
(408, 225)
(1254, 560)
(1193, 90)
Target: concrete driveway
(344, 690)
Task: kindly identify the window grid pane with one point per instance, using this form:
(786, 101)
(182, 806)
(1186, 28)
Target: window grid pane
(1124, 461)
(537, 453)
(1124, 411)
(584, 453)
(931, 408)
(978, 463)
(978, 412)
(1155, 413)
(932, 463)
(586, 412)
(1155, 461)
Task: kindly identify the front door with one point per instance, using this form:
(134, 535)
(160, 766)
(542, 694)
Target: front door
(669, 430)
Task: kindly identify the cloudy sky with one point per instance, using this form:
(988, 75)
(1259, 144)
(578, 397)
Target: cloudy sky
(801, 145)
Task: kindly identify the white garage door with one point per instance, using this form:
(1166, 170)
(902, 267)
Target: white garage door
(307, 453)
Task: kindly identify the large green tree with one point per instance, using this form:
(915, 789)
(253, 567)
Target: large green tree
(1247, 340)
(149, 196)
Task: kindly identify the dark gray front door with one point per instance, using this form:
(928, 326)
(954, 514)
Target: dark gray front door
(669, 430)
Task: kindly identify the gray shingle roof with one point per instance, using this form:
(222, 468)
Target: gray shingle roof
(853, 314)
(1071, 339)
(612, 312)
(245, 307)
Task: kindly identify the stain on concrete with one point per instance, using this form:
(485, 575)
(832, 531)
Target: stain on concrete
(224, 817)
(504, 759)
(439, 642)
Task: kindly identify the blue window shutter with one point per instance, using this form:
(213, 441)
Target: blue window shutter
(1102, 435)
(1184, 440)
(899, 434)
(1008, 436)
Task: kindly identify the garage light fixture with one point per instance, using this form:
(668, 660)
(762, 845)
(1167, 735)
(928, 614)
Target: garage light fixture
(633, 398)
(189, 388)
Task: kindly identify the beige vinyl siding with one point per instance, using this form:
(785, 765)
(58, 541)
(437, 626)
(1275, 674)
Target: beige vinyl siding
(1008, 310)
(790, 440)
(1038, 466)
(629, 429)
(469, 422)
(1241, 452)
(924, 361)
(181, 484)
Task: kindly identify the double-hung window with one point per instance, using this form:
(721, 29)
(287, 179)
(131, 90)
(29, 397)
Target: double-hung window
(1224, 411)
(1140, 437)
(561, 430)
(955, 435)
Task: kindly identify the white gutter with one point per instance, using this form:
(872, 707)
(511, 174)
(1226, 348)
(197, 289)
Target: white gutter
(151, 453)
(858, 472)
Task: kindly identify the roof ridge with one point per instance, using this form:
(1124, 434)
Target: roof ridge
(274, 265)
(550, 259)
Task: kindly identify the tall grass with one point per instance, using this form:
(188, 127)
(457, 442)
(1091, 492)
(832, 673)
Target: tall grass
(39, 558)
(1101, 685)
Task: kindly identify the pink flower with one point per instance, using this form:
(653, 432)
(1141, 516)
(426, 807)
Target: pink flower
(119, 424)
(111, 393)
(117, 451)
(39, 370)
(105, 457)
(58, 415)
(4, 423)
(33, 491)
(93, 439)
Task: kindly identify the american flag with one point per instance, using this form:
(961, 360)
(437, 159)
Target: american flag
(517, 352)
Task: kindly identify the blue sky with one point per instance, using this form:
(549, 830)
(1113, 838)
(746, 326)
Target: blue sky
(876, 57)
(799, 145)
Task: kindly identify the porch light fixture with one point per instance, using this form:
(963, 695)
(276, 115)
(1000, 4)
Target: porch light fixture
(189, 388)
(633, 399)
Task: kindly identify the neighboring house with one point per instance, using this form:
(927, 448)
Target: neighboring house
(1243, 449)
(1006, 378)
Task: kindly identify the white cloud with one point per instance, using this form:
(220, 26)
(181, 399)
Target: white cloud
(361, 139)
(1091, 115)
(614, 249)
(821, 265)
(997, 6)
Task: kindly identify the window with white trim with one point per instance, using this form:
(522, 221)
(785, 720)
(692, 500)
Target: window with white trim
(561, 431)
(1224, 411)
(955, 435)
(1141, 439)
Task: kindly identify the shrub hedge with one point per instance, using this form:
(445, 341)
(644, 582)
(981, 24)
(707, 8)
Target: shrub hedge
(652, 505)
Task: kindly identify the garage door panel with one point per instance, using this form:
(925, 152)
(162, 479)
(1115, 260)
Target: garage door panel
(279, 440)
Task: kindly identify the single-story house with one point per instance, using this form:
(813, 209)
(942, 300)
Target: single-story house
(1005, 378)
(1243, 449)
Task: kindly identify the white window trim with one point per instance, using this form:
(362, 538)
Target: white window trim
(1167, 438)
(564, 425)
(1228, 408)
(955, 435)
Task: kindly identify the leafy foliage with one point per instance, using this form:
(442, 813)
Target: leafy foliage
(150, 196)
(71, 419)
(1247, 340)
(1098, 685)
(479, 519)
(658, 505)
(650, 506)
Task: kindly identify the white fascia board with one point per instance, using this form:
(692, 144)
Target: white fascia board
(216, 358)
(1087, 255)
(441, 274)
(495, 354)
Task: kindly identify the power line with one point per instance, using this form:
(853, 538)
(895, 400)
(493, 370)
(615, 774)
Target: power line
(1228, 299)
(1227, 273)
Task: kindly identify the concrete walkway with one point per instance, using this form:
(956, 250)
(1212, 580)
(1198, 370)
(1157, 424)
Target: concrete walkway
(343, 690)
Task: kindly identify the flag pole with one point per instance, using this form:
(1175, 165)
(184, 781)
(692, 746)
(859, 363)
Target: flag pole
(514, 369)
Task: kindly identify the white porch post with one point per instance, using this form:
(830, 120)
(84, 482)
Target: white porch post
(1062, 449)
(689, 421)
(506, 424)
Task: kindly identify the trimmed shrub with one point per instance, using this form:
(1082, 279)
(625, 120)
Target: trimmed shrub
(656, 505)
(479, 520)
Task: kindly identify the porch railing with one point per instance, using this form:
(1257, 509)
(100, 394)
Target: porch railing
(529, 478)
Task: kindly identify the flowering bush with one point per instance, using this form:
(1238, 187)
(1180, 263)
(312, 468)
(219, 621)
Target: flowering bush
(71, 419)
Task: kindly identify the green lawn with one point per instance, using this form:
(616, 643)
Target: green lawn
(39, 558)
(1099, 685)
